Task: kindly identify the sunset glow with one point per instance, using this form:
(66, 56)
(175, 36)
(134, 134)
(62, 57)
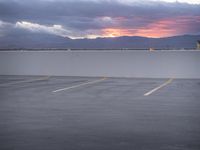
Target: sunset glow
(101, 18)
(157, 29)
(112, 32)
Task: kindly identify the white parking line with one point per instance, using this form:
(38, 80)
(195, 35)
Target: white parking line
(26, 81)
(159, 87)
(82, 84)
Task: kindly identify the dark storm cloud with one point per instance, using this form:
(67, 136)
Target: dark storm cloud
(85, 15)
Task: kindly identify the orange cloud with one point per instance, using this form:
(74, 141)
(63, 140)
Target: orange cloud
(161, 28)
(114, 32)
(157, 29)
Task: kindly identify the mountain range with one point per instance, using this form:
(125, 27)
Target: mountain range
(45, 41)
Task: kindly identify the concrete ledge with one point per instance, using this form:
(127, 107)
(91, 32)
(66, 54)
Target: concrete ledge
(142, 64)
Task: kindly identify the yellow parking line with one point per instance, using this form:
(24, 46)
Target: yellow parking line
(159, 87)
(79, 85)
(26, 81)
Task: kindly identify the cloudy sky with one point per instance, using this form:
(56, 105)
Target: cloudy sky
(100, 18)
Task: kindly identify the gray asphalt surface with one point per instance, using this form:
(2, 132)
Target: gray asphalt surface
(112, 114)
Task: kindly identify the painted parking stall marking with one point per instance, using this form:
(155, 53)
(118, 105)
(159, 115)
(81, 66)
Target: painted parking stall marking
(79, 85)
(26, 81)
(159, 87)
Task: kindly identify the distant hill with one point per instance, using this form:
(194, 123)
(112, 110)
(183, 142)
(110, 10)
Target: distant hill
(41, 40)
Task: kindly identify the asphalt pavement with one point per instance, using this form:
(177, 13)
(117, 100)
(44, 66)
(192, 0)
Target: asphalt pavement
(97, 113)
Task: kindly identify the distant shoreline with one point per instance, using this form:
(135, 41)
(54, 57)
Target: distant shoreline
(94, 49)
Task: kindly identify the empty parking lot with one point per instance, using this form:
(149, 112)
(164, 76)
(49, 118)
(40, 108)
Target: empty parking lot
(98, 113)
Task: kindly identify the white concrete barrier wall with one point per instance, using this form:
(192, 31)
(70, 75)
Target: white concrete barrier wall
(145, 64)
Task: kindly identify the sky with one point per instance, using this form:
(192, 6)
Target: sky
(100, 18)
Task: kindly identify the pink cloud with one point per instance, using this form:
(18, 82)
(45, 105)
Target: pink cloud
(160, 28)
